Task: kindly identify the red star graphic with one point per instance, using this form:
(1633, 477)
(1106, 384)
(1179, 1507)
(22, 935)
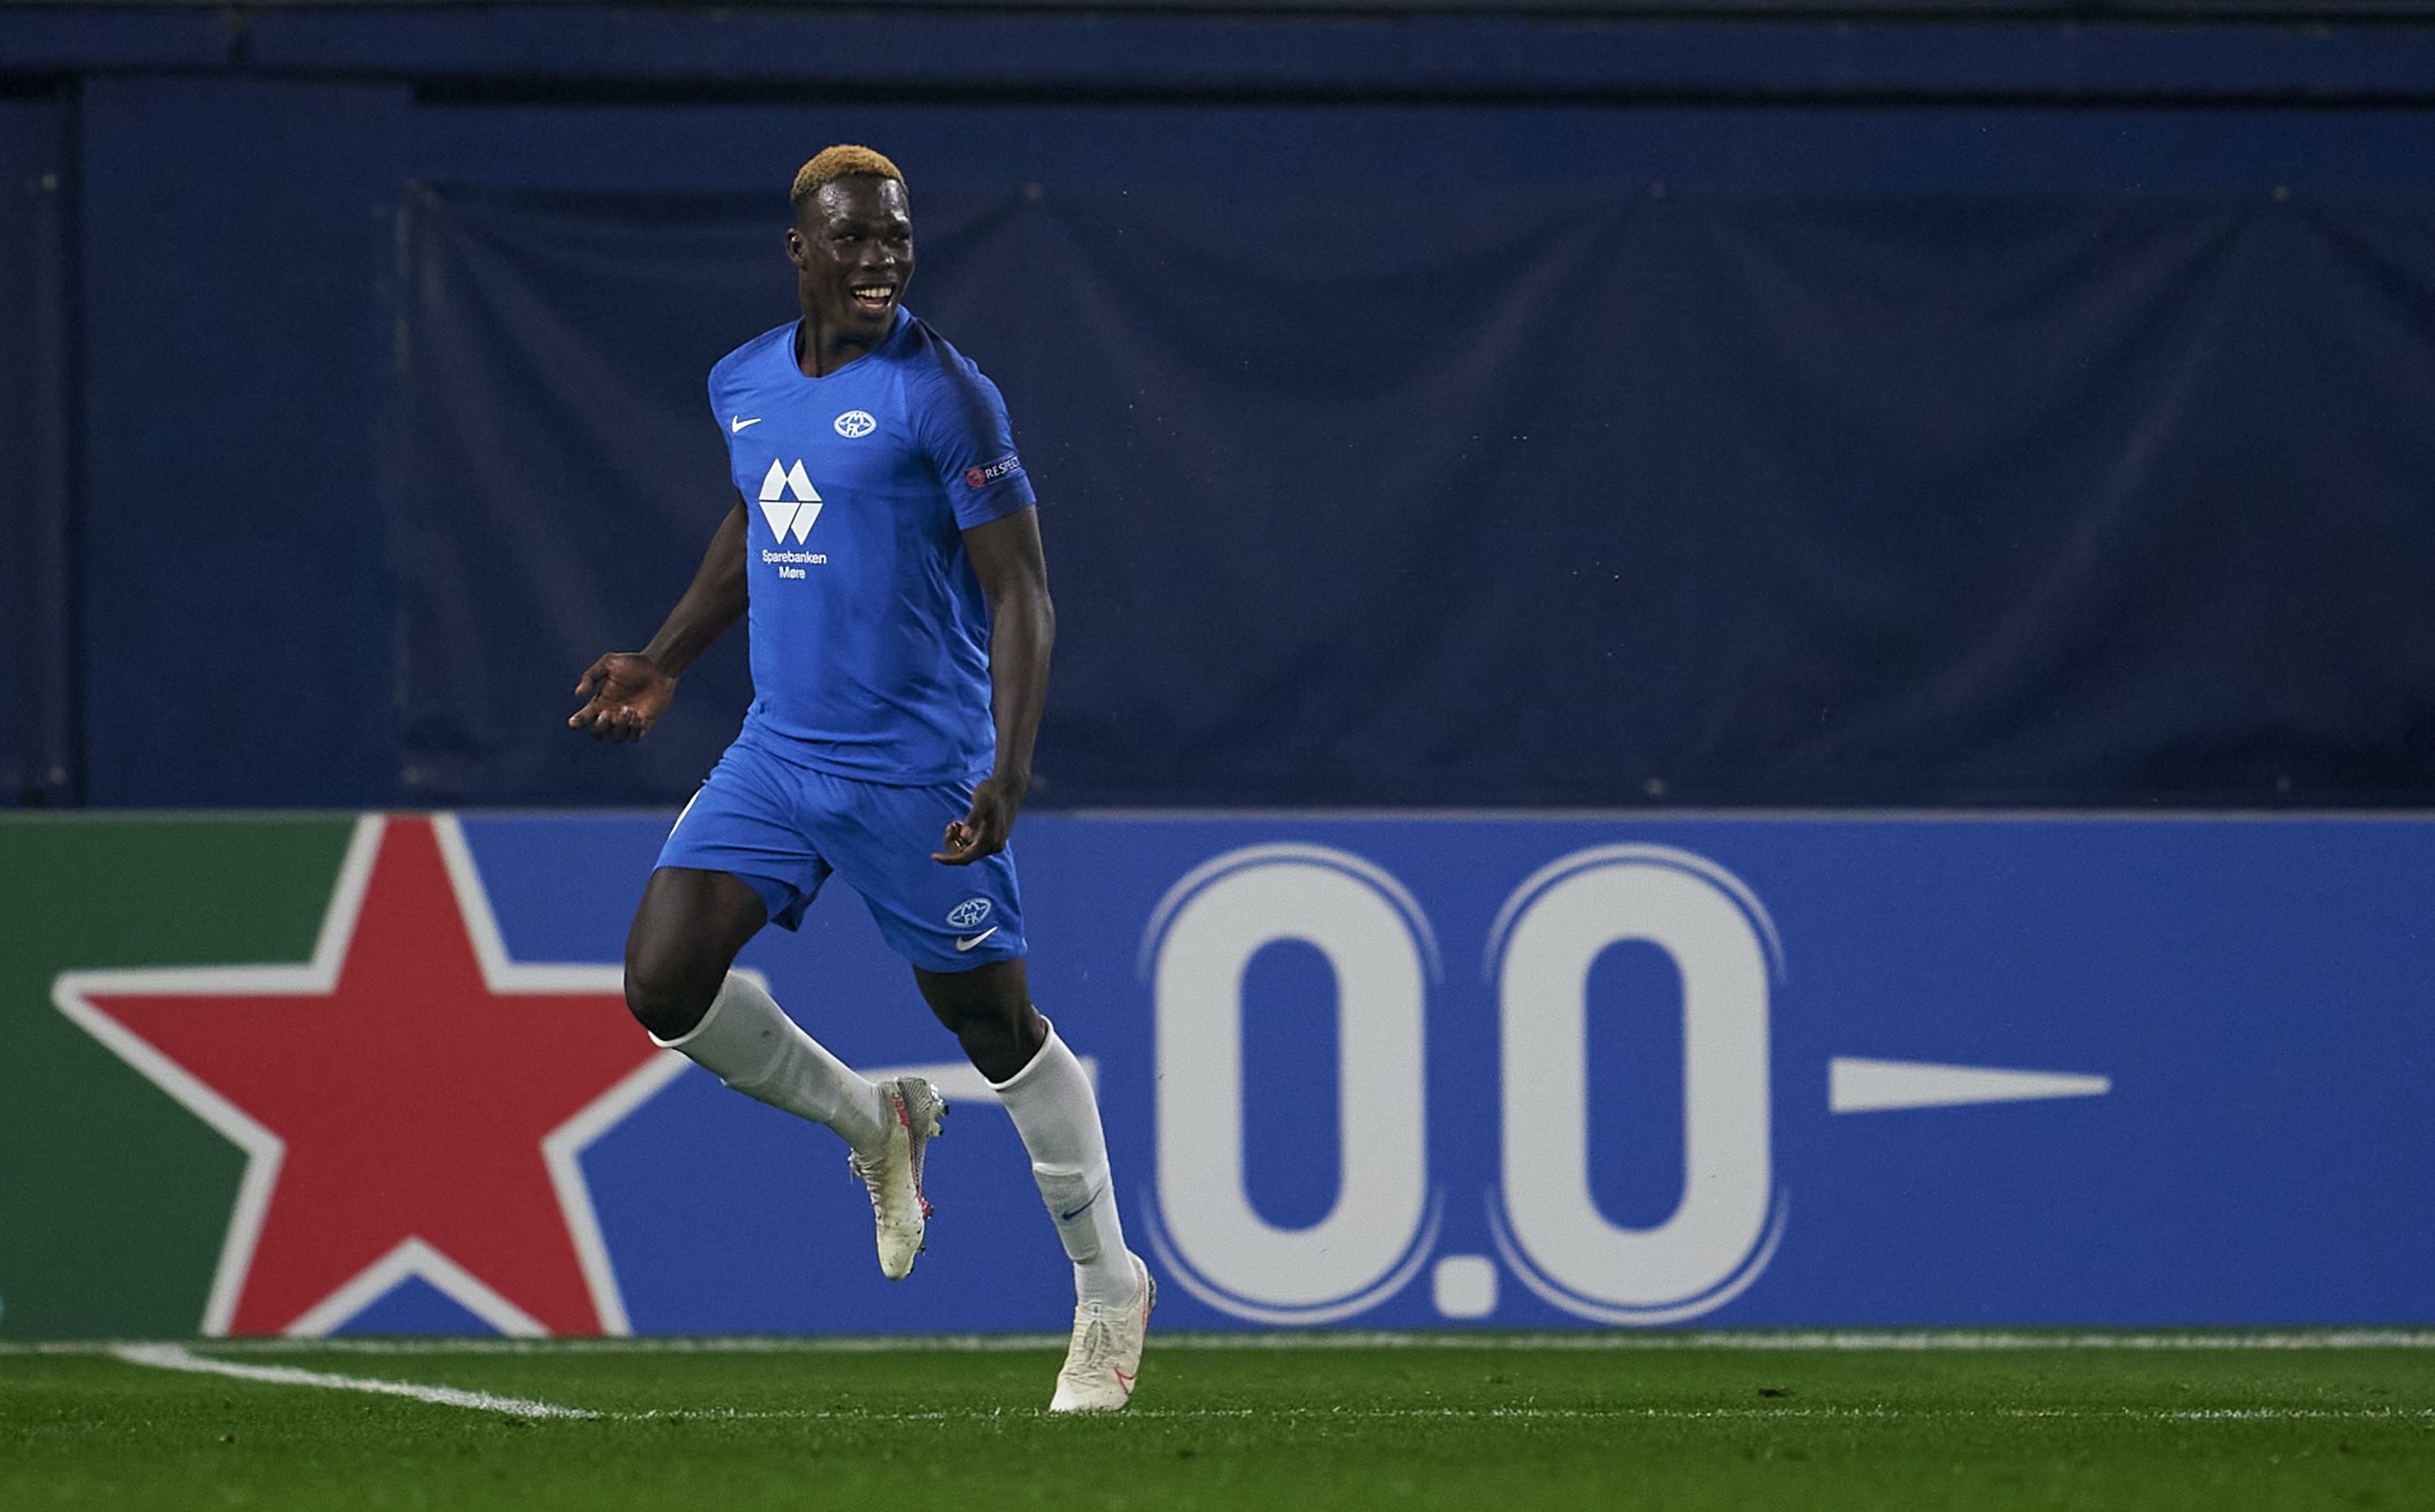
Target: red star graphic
(412, 1101)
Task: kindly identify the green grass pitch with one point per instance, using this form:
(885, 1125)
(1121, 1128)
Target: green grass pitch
(2116, 1421)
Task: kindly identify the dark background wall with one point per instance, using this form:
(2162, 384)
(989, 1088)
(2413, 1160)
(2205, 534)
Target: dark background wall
(233, 525)
(38, 742)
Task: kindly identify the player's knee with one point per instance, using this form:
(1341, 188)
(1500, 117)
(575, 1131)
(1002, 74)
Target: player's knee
(1001, 1041)
(668, 990)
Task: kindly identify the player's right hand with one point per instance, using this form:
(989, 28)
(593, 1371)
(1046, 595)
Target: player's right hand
(625, 693)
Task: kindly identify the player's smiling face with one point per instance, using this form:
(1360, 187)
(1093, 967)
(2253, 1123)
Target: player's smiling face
(853, 250)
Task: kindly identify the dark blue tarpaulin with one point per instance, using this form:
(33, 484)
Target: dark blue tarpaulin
(38, 756)
(1487, 495)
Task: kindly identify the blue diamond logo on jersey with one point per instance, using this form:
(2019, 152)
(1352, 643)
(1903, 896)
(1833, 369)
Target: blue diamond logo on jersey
(790, 502)
(855, 423)
(968, 913)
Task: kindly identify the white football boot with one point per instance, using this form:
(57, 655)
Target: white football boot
(894, 1174)
(1105, 1357)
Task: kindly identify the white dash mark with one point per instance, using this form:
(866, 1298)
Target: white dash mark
(176, 1357)
(1860, 1085)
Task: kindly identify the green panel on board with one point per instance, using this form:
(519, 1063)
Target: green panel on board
(113, 1198)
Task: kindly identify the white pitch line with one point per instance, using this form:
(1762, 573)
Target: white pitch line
(1772, 1414)
(1687, 1414)
(1594, 1414)
(1959, 1340)
(2159, 1415)
(723, 1415)
(176, 1357)
(1794, 1341)
(1762, 1415)
(2211, 1414)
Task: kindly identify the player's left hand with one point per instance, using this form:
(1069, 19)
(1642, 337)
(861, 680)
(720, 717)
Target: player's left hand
(982, 830)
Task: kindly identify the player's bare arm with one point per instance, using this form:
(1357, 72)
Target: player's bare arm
(628, 691)
(1013, 572)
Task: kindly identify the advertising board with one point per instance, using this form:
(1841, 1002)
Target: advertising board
(322, 1074)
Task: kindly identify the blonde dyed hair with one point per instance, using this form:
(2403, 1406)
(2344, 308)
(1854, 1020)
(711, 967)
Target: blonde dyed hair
(844, 161)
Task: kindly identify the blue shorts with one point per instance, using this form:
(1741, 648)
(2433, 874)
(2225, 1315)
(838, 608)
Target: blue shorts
(784, 827)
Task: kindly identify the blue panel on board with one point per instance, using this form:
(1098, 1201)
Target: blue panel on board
(415, 1306)
(1603, 1052)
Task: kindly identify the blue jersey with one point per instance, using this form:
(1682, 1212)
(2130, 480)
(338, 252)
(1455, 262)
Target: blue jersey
(869, 633)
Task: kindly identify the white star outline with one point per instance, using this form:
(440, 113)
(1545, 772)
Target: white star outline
(561, 1148)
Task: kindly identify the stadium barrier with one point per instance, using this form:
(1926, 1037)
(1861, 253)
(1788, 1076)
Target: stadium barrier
(328, 1073)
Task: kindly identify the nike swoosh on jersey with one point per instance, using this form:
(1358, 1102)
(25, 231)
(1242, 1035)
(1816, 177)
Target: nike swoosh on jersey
(736, 424)
(962, 944)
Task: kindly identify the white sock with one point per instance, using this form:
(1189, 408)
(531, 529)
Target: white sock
(1053, 1109)
(750, 1045)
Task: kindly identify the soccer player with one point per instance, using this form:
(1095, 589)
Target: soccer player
(885, 543)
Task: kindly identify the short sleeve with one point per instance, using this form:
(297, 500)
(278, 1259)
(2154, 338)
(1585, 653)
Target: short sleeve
(722, 382)
(960, 422)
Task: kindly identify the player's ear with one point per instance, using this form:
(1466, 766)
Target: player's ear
(795, 248)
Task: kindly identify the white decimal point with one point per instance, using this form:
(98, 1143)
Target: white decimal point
(1720, 1234)
(1199, 945)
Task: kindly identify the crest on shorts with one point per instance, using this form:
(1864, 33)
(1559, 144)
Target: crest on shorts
(968, 913)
